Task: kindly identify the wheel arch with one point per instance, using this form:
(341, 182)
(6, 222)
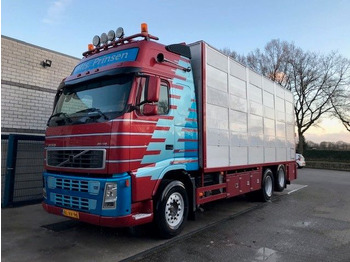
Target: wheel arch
(181, 175)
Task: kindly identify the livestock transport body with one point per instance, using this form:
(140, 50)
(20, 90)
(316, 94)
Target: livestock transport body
(143, 132)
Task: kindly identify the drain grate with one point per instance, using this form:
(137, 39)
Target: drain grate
(61, 226)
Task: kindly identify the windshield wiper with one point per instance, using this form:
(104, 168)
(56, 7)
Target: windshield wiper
(64, 116)
(93, 110)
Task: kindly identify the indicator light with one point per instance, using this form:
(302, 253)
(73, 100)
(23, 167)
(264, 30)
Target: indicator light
(144, 28)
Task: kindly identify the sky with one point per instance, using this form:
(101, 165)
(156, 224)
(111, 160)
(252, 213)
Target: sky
(68, 26)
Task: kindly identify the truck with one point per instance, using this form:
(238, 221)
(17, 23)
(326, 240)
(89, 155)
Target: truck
(143, 132)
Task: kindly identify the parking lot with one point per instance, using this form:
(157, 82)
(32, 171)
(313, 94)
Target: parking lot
(310, 220)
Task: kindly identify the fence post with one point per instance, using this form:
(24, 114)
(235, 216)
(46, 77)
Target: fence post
(10, 170)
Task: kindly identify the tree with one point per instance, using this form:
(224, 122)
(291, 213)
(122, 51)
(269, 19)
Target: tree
(234, 55)
(319, 83)
(341, 104)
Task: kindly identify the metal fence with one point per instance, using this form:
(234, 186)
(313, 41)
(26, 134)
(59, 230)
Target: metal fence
(22, 159)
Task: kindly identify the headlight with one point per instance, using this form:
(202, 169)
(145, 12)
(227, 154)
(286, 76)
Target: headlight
(110, 196)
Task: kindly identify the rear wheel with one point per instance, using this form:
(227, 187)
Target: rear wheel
(267, 186)
(171, 208)
(280, 179)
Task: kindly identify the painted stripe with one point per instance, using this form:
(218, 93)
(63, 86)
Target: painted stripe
(177, 87)
(166, 117)
(297, 189)
(185, 150)
(191, 119)
(152, 152)
(192, 110)
(93, 147)
(183, 161)
(157, 140)
(175, 96)
(187, 140)
(123, 161)
(173, 107)
(162, 128)
(146, 165)
(194, 130)
(102, 134)
(133, 120)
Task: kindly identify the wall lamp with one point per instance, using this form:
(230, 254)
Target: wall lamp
(46, 63)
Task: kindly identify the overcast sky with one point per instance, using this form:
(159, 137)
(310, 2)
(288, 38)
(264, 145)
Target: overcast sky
(68, 26)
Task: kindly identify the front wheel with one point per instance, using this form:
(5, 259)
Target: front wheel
(171, 208)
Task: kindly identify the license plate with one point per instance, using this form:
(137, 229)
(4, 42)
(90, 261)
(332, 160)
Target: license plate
(70, 213)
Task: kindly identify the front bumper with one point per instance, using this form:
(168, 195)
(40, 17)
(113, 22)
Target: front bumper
(82, 198)
(123, 221)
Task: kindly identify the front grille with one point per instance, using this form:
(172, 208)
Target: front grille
(72, 202)
(76, 158)
(73, 185)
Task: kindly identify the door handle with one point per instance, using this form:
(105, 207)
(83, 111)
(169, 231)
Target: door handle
(169, 147)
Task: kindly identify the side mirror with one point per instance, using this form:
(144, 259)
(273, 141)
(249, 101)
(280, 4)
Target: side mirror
(150, 109)
(153, 89)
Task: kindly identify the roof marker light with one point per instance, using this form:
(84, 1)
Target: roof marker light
(119, 32)
(96, 40)
(91, 47)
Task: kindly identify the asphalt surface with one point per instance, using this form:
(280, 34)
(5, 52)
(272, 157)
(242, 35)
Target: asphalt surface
(312, 224)
(310, 221)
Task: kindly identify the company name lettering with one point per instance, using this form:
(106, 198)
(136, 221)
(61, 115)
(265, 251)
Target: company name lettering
(116, 57)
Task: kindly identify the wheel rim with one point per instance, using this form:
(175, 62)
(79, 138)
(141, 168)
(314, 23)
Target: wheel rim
(268, 186)
(174, 210)
(281, 178)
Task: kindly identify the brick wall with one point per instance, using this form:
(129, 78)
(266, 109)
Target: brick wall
(27, 88)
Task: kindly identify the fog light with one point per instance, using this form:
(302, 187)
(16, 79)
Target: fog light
(110, 196)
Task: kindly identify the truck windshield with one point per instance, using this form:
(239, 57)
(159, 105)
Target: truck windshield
(93, 101)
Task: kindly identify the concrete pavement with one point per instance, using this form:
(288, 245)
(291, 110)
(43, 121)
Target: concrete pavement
(30, 234)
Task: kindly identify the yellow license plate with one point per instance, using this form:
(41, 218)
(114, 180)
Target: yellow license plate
(70, 213)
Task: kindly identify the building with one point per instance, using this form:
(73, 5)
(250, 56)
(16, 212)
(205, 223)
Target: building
(30, 76)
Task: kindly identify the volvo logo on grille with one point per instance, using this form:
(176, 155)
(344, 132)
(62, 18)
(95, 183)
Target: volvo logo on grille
(71, 158)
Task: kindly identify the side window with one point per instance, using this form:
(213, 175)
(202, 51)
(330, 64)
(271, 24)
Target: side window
(163, 104)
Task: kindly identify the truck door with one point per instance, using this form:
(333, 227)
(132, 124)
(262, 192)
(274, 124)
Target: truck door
(155, 122)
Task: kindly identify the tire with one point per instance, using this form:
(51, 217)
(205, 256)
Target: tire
(267, 186)
(171, 209)
(280, 179)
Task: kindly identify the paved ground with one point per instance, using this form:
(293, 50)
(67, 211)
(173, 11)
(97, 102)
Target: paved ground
(311, 224)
